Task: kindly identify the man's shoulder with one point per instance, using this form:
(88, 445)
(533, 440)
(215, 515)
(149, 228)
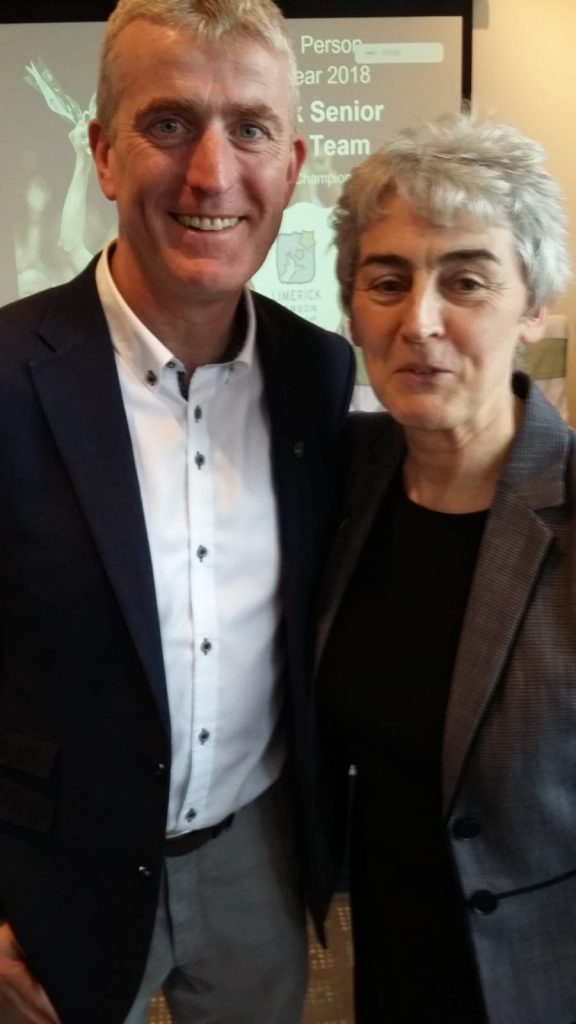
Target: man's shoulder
(56, 313)
(30, 311)
(272, 315)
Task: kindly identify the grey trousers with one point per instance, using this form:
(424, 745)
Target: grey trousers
(229, 943)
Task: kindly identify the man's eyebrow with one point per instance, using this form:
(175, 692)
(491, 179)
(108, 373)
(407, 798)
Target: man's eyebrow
(392, 259)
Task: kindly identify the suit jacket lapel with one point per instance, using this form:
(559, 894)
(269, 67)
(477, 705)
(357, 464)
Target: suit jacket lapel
(373, 467)
(301, 442)
(294, 461)
(78, 388)
(514, 547)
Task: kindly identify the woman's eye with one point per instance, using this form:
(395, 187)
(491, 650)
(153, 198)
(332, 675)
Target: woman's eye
(387, 286)
(467, 285)
(383, 290)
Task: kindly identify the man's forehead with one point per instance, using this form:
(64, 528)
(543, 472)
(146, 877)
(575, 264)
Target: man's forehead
(165, 44)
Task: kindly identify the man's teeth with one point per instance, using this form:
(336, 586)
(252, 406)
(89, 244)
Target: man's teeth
(208, 223)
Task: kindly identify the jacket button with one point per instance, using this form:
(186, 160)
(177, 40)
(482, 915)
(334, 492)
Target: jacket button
(159, 769)
(466, 828)
(144, 871)
(483, 901)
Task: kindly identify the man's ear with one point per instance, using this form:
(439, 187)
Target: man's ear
(532, 325)
(101, 152)
(297, 158)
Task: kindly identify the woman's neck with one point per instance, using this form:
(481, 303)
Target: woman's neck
(458, 473)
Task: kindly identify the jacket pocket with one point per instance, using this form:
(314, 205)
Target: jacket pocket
(27, 766)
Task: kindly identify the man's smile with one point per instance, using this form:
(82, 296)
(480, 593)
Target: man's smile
(206, 223)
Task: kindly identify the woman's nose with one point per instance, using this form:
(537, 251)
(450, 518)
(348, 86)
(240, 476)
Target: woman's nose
(424, 313)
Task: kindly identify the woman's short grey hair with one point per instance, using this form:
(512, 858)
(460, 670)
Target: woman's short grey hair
(463, 166)
(260, 21)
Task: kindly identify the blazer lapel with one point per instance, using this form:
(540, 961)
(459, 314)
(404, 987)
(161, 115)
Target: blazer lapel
(78, 388)
(296, 465)
(508, 567)
(515, 545)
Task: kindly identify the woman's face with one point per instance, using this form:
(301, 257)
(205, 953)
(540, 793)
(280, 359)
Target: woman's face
(438, 312)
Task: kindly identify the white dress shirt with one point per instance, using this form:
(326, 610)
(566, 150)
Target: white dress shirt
(205, 475)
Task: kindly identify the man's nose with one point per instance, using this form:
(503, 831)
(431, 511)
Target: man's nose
(211, 162)
(424, 313)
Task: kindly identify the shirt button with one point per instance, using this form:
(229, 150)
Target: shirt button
(203, 736)
(199, 460)
(201, 552)
(483, 901)
(144, 871)
(170, 365)
(151, 377)
(205, 646)
(190, 815)
(466, 828)
(197, 413)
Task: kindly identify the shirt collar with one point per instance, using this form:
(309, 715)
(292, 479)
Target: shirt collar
(146, 355)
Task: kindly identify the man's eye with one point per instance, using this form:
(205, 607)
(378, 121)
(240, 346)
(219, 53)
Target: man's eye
(168, 126)
(250, 131)
(166, 130)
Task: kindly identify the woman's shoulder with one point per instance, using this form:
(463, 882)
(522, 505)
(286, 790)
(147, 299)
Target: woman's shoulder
(366, 429)
(370, 438)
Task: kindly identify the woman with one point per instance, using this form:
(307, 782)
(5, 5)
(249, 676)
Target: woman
(448, 638)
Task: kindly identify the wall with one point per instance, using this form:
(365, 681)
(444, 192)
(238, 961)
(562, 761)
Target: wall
(524, 71)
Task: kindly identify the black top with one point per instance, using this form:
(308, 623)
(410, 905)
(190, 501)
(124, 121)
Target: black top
(383, 689)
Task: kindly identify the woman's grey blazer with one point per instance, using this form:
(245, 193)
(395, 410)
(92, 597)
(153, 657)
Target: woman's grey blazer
(509, 755)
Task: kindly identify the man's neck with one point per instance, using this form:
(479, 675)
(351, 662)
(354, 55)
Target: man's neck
(209, 334)
(198, 329)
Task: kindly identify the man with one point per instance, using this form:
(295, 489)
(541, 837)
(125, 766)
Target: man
(166, 482)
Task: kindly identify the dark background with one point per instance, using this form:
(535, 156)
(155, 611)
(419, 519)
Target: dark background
(22, 11)
(98, 10)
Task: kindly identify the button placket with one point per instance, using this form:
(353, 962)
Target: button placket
(201, 515)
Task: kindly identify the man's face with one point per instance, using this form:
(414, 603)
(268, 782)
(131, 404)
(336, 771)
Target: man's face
(200, 159)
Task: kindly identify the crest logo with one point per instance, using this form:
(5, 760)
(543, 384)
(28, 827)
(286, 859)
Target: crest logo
(295, 257)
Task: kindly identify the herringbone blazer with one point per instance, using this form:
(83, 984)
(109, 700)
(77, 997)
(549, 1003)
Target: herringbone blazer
(509, 752)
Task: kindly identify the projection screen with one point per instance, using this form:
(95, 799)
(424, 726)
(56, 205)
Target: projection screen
(361, 78)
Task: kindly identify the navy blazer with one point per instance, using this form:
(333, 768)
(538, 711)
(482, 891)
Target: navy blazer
(509, 748)
(84, 724)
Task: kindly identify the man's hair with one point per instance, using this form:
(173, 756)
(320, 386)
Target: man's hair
(462, 167)
(260, 21)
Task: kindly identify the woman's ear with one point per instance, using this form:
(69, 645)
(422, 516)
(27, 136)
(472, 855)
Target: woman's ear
(532, 325)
